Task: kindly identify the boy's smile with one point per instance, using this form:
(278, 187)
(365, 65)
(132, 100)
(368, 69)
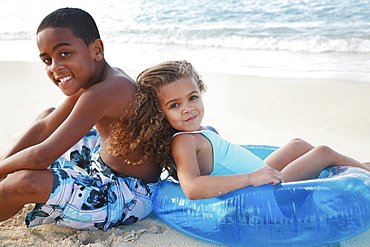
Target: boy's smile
(182, 105)
(70, 64)
(63, 80)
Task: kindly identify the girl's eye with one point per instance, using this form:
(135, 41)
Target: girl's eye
(174, 105)
(193, 97)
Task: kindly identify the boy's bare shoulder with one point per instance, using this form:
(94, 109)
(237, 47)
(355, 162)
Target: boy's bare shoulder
(115, 80)
(112, 95)
(121, 72)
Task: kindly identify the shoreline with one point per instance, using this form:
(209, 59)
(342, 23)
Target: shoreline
(273, 63)
(244, 110)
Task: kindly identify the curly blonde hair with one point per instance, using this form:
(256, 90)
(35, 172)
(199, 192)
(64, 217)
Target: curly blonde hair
(147, 125)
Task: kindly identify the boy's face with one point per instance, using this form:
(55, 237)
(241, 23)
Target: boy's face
(70, 64)
(182, 104)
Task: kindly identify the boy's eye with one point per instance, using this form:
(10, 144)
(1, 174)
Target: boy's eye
(46, 60)
(193, 97)
(65, 53)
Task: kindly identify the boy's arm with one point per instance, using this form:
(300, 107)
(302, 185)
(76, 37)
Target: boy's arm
(89, 108)
(43, 128)
(196, 186)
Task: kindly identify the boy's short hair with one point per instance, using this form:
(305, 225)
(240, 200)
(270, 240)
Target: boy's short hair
(81, 23)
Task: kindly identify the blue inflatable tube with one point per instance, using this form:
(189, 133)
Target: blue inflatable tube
(317, 212)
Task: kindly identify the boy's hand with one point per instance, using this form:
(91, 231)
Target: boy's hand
(266, 175)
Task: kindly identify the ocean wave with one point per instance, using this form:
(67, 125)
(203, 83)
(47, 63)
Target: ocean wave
(9, 36)
(226, 39)
(289, 25)
(295, 43)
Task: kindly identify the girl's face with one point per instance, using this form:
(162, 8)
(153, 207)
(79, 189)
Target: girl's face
(182, 105)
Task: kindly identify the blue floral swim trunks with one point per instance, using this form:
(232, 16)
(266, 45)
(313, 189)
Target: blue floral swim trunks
(88, 195)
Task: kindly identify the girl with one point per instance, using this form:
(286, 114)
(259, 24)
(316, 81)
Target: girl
(168, 115)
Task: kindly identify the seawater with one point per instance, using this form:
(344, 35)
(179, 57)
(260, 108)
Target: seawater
(294, 38)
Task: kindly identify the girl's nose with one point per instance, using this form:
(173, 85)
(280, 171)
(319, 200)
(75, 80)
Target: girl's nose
(188, 109)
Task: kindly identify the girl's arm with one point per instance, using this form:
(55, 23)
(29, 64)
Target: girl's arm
(197, 186)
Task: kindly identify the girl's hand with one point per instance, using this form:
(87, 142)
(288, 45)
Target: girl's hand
(265, 175)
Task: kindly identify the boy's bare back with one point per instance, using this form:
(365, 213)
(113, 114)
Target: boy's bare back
(118, 89)
(98, 98)
(97, 95)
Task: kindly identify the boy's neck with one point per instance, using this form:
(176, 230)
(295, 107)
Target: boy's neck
(102, 67)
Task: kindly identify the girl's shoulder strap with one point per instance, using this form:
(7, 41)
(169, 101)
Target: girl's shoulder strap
(184, 132)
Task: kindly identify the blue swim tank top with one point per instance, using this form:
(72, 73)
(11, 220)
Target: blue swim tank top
(229, 158)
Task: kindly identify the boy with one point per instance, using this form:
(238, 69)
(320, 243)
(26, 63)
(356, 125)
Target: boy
(87, 187)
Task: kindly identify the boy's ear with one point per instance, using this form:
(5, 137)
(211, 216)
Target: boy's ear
(98, 49)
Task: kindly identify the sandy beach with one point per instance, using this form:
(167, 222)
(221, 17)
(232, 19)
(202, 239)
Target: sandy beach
(244, 109)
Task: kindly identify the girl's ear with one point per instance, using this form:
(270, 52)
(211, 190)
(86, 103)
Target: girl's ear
(98, 49)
